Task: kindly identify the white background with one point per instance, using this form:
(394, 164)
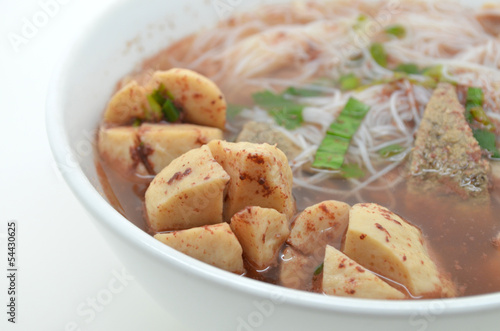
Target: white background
(63, 262)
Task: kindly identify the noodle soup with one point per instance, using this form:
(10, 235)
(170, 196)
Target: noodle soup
(389, 56)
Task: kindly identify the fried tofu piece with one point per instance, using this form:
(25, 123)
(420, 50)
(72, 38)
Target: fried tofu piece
(260, 176)
(213, 244)
(297, 269)
(384, 243)
(200, 99)
(187, 193)
(261, 232)
(318, 225)
(118, 147)
(446, 157)
(345, 277)
(129, 103)
(166, 142)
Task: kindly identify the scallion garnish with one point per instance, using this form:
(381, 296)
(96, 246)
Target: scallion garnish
(487, 141)
(154, 105)
(351, 171)
(285, 112)
(474, 98)
(137, 123)
(161, 103)
(302, 92)
(319, 269)
(396, 30)
(474, 113)
(474, 110)
(408, 68)
(269, 100)
(377, 50)
(332, 150)
(170, 112)
(233, 110)
(391, 150)
(360, 22)
(434, 72)
(290, 117)
(349, 82)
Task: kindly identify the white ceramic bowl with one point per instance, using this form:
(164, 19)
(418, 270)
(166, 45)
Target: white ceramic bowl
(201, 296)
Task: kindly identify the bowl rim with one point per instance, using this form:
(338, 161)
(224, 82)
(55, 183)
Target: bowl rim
(107, 216)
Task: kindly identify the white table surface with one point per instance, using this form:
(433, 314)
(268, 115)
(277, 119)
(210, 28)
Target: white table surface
(64, 264)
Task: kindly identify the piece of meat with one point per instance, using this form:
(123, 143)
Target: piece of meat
(128, 103)
(260, 132)
(386, 244)
(345, 277)
(261, 232)
(213, 244)
(187, 193)
(318, 225)
(119, 147)
(297, 269)
(260, 176)
(166, 142)
(148, 149)
(446, 157)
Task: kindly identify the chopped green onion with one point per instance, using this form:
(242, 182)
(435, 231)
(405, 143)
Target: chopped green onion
(302, 92)
(487, 141)
(391, 150)
(319, 269)
(434, 72)
(285, 112)
(332, 150)
(169, 94)
(155, 106)
(408, 68)
(288, 117)
(233, 110)
(396, 30)
(352, 171)
(170, 112)
(378, 53)
(474, 112)
(269, 100)
(349, 82)
(161, 103)
(428, 83)
(137, 123)
(475, 96)
(474, 108)
(361, 20)
(477, 112)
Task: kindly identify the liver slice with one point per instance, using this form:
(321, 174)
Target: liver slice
(446, 157)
